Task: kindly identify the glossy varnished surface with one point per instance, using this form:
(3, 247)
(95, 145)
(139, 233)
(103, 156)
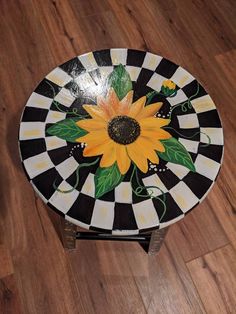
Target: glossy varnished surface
(37, 275)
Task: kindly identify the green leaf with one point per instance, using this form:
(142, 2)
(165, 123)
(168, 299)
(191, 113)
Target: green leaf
(106, 179)
(120, 80)
(175, 152)
(67, 130)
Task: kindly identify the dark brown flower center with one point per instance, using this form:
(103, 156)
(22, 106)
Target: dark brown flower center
(123, 130)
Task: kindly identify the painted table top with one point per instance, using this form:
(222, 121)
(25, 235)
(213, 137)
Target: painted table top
(121, 141)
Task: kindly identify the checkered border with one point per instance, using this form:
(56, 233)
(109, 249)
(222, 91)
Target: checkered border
(183, 189)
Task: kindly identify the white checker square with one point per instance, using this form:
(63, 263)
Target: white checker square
(183, 196)
(203, 104)
(31, 130)
(151, 61)
(145, 214)
(215, 134)
(179, 170)
(133, 72)
(178, 98)
(59, 77)
(181, 77)
(53, 142)
(123, 193)
(191, 146)
(103, 215)
(65, 97)
(105, 71)
(118, 56)
(188, 121)
(154, 180)
(67, 167)
(156, 81)
(88, 61)
(207, 167)
(64, 201)
(85, 81)
(55, 116)
(39, 101)
(89, 186)
(38, 164)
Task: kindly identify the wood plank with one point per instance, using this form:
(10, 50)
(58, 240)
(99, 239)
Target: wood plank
(214, 275)
(10, 302)
(6, 268)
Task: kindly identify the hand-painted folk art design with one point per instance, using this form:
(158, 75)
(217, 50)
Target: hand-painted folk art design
(121, 140)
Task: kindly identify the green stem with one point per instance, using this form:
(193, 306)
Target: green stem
(77, 177)
(138, 191)
(74, 110)
(188, 102)
(192, 136)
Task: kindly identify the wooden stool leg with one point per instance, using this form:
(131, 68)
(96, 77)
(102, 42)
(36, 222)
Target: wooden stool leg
(68, 234)
(157, 238)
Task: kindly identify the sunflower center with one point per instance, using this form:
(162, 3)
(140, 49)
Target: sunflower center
(123, 130)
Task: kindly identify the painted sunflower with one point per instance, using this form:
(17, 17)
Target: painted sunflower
(123, 131)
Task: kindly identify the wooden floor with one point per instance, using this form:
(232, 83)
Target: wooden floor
(195, 271)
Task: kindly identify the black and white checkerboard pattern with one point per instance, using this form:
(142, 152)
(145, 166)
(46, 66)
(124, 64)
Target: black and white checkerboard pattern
(46, 158)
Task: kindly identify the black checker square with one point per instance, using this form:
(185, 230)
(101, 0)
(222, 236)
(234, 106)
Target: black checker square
(209, 119)
(96, 76)
(212, 151)
(82, 209)
(30, 148)
(103, 57)
(135, 57)
(124, 217)
(168, 178)
(172, 209)
(166, 68)
(32, 114)
(143, 78)
(44, 182)
(197, 183)
(58, 155)
(191, 89)
(73, 67)
(47, 88)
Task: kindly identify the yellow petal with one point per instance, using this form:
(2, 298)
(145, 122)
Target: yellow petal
(95, 112)
(136, 155)
(92, 124)
(153, 123)
(150, 144)
(149, 110)
(94, 150)
(113, 101)
(137, 107)
(109, 155)
(95, 136)
(158, 134)
(126, 102)
(104, 107)
(123, 160)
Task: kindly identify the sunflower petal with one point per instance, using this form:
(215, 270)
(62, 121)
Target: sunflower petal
(126, 102)
(104, 106)
(94, 150)
(137, 107)
(109, 155)
(153, 123)
(150, 144)
(113, 101)
(158, 134)
(136, 155)
(92, 124)
(94, 137)
(149, 111)
(123, 160)
(95, 112)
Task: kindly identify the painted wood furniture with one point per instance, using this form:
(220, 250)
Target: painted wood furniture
(120, 142)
